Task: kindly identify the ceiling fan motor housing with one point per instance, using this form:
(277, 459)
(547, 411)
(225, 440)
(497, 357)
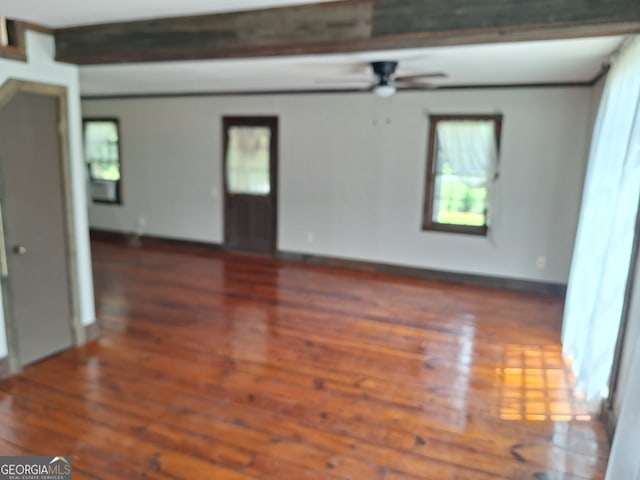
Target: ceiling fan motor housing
(383, 70)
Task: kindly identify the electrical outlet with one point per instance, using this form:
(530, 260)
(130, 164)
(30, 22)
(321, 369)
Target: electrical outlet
(142, 222)
(541, 262)
(310, 237)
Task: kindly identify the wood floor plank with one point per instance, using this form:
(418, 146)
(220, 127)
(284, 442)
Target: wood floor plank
(227, 366)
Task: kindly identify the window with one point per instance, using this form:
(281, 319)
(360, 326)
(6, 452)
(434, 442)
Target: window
(102, 154)
(247, 163)
(12, 39)
(461, 164)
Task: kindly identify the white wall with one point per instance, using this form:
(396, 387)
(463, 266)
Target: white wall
(352, 170)
(42, 68)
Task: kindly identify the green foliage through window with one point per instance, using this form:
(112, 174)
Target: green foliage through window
(461, 204)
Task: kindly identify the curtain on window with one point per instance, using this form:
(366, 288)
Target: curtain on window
(469, 147)
(602, 251)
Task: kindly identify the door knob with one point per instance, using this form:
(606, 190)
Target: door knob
(19, 249)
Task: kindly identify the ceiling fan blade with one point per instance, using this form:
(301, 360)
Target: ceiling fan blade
(336, 67)
(338, 81)
(416, 85)
(405, 78)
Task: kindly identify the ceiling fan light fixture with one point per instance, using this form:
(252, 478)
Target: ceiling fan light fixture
(384, 90)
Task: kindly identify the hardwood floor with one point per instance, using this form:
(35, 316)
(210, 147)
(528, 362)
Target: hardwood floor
(222, 366)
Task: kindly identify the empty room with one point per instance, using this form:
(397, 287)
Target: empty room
(320, 240)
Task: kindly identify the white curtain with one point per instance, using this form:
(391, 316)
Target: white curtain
(602, 251)
(469, 146)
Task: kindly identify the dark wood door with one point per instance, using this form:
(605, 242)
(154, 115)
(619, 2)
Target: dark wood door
(250, 172)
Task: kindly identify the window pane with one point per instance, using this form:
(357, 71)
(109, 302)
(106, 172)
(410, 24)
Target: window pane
(101, 149)
(105, 171)
(465, 153)
(248, 160)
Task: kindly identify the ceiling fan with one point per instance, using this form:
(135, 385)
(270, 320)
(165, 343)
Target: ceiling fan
(386, 82)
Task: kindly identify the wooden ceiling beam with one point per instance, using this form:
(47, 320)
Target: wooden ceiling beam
(351, 25)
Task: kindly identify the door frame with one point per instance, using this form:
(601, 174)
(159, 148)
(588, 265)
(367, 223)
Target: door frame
(272, 122)
(608, 413)
(8, 91)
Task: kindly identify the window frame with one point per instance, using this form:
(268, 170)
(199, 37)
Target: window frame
(116, 120)
(16, 50)
(428, 224)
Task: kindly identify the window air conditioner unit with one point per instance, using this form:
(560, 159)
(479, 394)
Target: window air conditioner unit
(103, 191)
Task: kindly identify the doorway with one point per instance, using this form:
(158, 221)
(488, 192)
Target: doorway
(250, 173)
(37, 259)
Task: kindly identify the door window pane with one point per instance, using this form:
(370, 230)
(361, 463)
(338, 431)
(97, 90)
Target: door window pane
(248, 160)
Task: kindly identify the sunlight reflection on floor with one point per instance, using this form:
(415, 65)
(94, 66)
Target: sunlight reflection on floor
(536, 384)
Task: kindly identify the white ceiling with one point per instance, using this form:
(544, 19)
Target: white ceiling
(66, 13)
(575, 60)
